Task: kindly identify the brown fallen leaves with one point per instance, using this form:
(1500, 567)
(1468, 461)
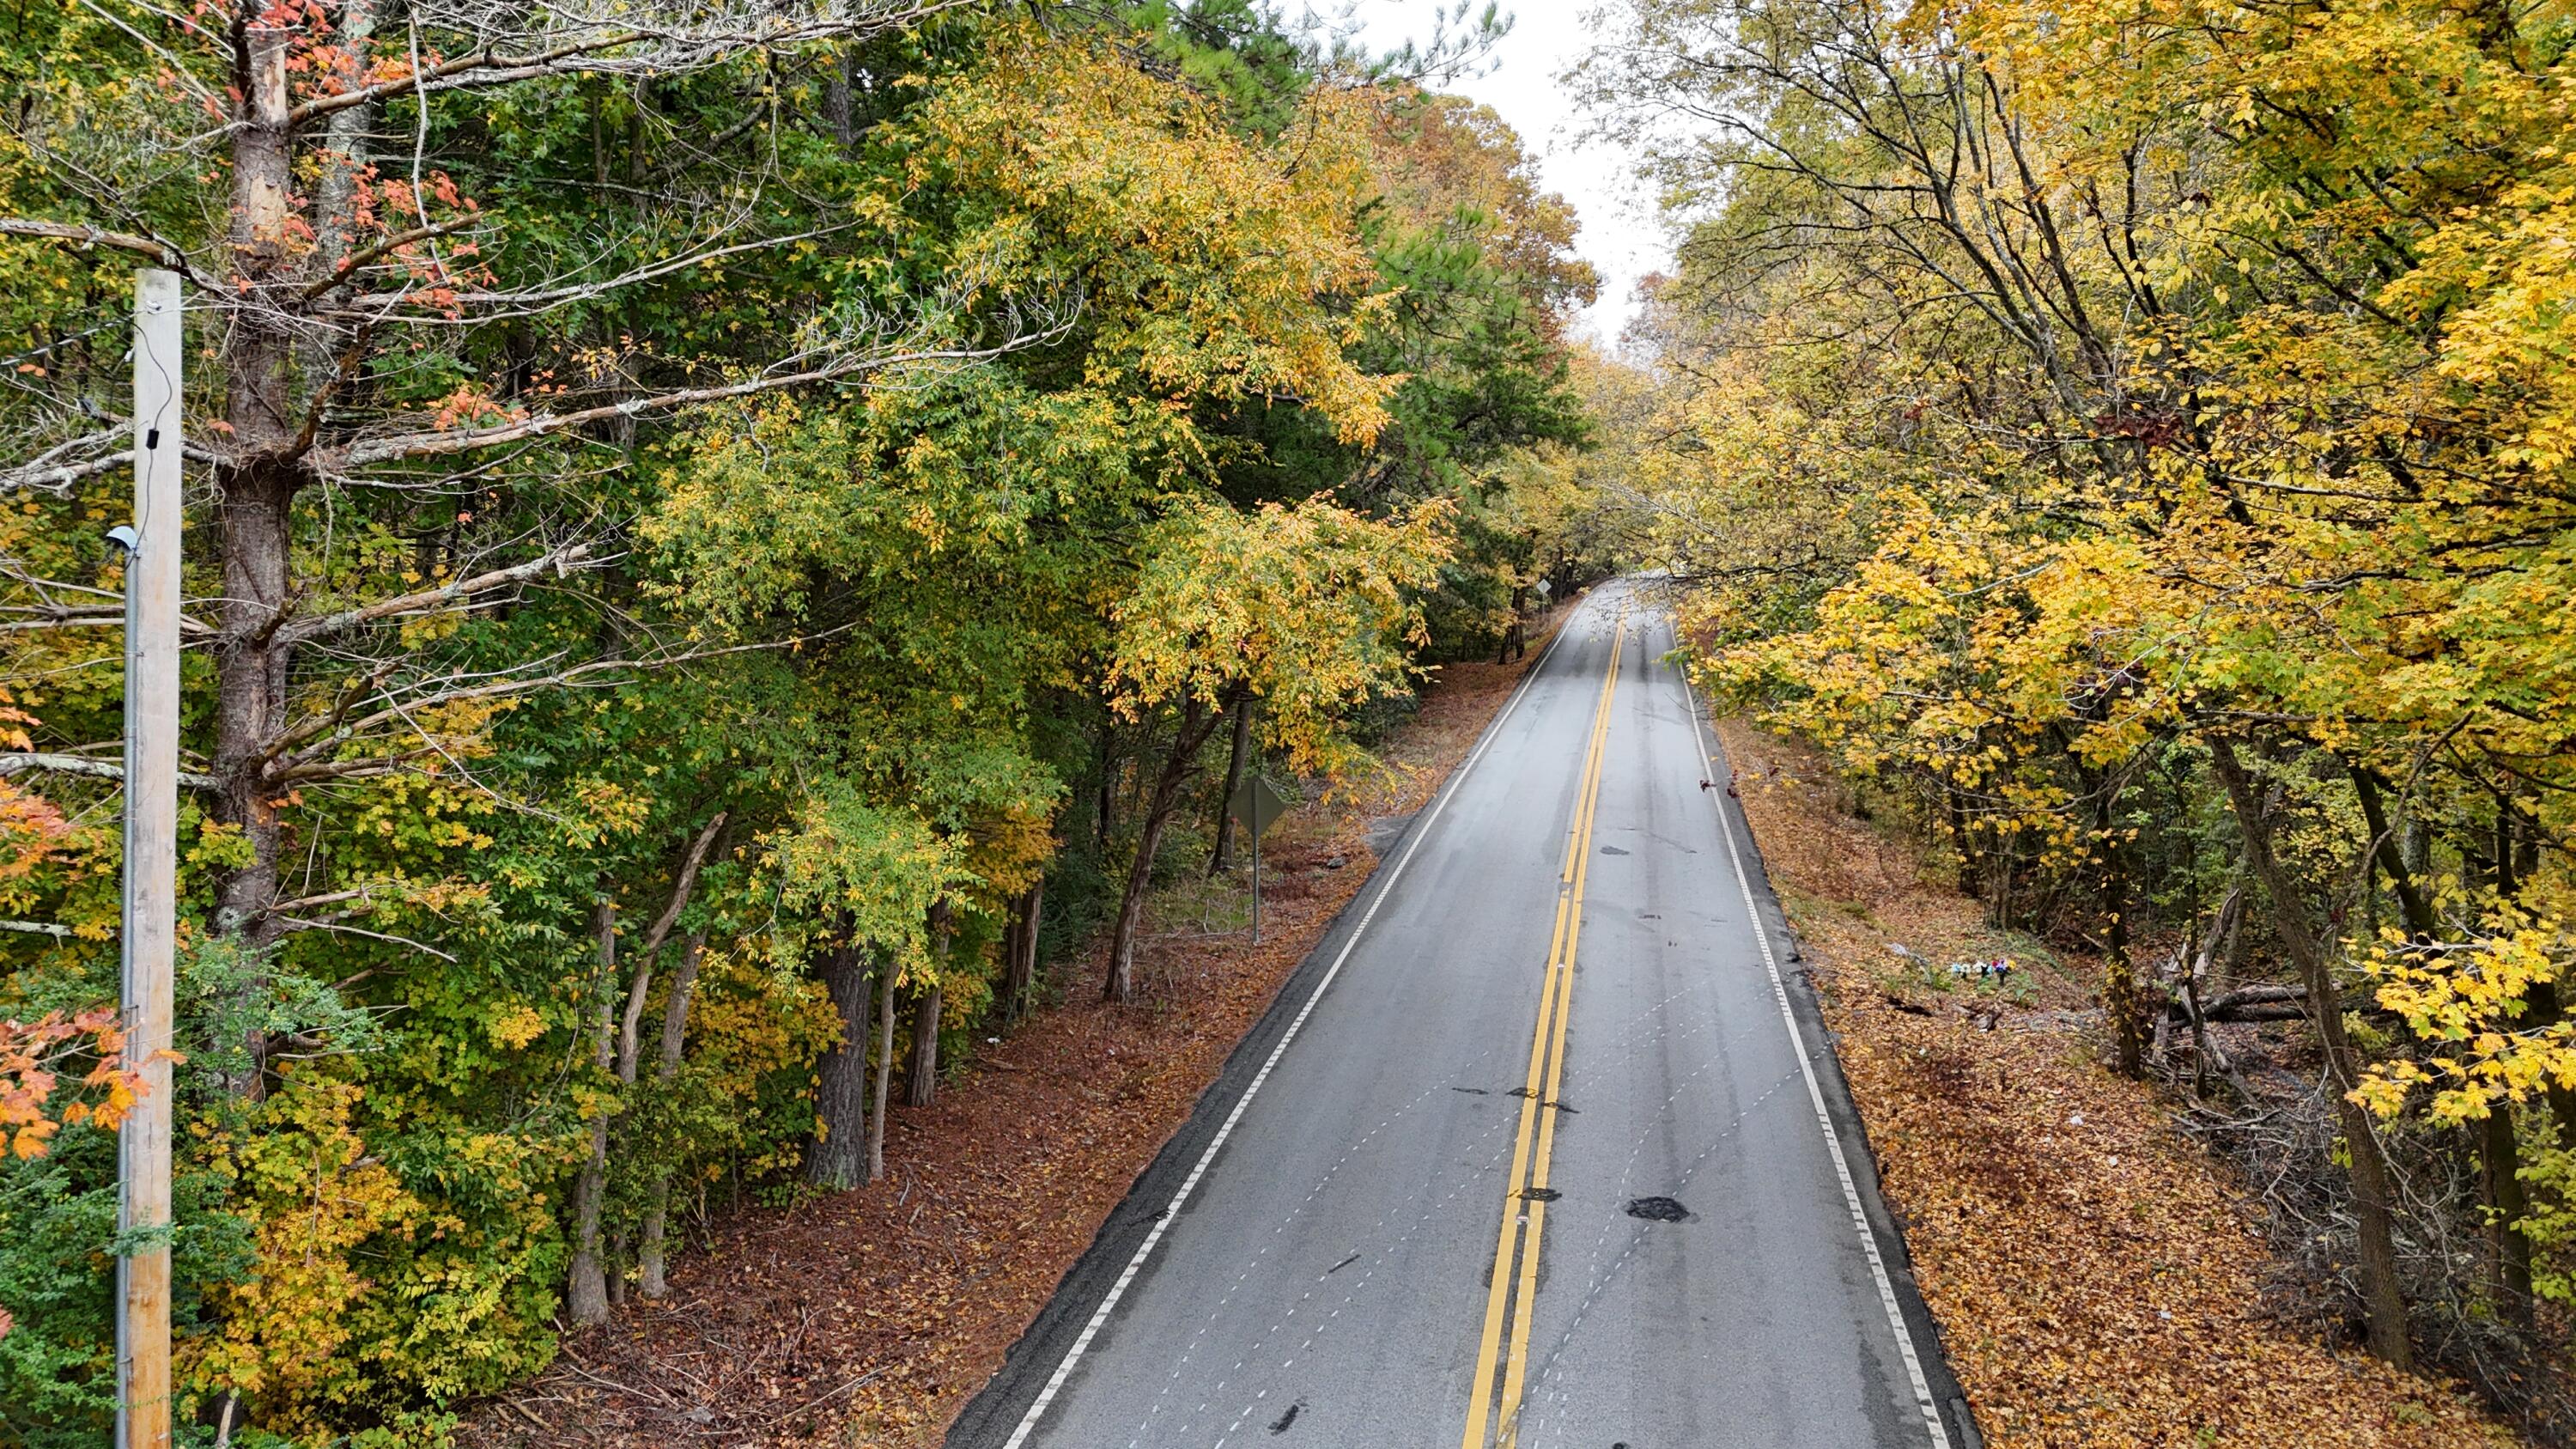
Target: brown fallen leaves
(2095, 1273)
(870, 1317)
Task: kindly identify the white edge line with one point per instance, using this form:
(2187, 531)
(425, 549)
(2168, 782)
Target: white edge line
(1939, 1435)
(1172, 1210)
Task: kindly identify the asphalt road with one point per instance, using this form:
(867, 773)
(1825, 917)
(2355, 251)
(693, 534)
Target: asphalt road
(1542, 1147)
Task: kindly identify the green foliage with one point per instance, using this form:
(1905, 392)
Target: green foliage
(1157, 288)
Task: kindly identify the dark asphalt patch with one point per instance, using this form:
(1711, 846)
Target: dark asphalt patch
(1612, 850)
(1540, 1194)
(1337, 1267)
(1286, 1419)
(1657, 1209)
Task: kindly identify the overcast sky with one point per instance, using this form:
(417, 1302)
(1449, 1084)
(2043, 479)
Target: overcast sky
(1620, 235)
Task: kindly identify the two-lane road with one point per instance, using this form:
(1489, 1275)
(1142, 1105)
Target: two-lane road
(1543, 1147)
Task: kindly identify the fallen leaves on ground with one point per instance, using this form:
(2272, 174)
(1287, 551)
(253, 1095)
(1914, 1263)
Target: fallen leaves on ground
(2096, 1275)
(870, 1317)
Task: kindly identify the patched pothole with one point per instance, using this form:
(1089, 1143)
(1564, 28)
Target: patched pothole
(1657, 1209)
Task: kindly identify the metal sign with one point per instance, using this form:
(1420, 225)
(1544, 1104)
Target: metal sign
(1256, 804)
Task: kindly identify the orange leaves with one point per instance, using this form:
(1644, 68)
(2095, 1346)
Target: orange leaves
(31, 1056)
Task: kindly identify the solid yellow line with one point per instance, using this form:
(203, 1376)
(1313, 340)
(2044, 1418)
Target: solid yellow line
(1515, 1372)
(1547, 1045)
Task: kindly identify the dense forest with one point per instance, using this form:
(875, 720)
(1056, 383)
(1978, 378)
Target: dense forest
(2135, 439)
(728, 549)
(733, 550)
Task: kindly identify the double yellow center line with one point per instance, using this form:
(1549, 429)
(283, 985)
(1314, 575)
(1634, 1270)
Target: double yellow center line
(1502, 1356)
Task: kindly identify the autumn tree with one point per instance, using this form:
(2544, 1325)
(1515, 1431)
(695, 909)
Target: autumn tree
(1303, 611)
(2127, 437)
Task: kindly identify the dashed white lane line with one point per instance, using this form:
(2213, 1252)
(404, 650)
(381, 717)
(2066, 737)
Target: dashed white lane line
(1935, 1433)
(1171, 1211)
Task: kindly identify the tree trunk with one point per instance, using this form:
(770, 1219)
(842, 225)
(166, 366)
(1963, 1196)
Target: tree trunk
(2381, 1297)
(840, 1155)
(650, 1268)
(1195, 726)
(836, 99)
(1223, 860)
(630, 1043)
(885, 1071)
(254, 511)
(1020, 978)
(2122, 1001)
(921, 1082)
(344, 158)
(2499, 1164)
(2499, 1155)
(1104, 816)
(1001, 1008)
(586, 1299)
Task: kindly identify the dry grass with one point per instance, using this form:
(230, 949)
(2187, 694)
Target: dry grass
(2096, 1274)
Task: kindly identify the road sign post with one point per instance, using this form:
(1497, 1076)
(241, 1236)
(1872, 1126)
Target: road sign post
(1257, 806)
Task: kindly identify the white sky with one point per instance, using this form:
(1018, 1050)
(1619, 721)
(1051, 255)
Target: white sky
(1621, 236)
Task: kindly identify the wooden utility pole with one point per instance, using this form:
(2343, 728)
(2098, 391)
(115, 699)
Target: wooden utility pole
(151, 868)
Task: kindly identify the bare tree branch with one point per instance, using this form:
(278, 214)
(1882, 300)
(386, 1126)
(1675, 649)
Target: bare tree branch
(678, 50)
(90, 236)
(460, 440)
(558, 562)
(11, 764)
(37, 928)
(292, 924)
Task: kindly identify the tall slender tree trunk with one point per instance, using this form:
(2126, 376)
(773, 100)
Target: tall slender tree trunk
(1023, 974)
(1223, 859)
(611, 1271)
(2123, 1004)
(840, 1155)
(885, 1071)
(2499, 1170)
(1104, 815)
(2382, 1298)
(2122, 1001)
(921, 1080)
(2499, 1155)
(586, 1296)
(1020, 954)
(1196, 724)
(651, 1271)
(921, 1084)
